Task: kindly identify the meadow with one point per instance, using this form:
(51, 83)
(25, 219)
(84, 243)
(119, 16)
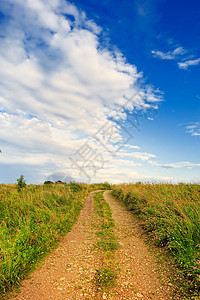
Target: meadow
(32, 221)
(171, 216)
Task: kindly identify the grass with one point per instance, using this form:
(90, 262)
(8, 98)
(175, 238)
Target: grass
(34, 218)
(32, 221)
(171, 215)
(105, 276)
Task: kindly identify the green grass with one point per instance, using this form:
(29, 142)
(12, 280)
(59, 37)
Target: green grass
(31, 223)
(171, 215)
(106, 275)
(33, 219)
(100, 186)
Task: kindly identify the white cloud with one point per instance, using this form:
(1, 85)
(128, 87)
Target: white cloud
(138, 155)
(184, 65)
(170, 55)
(184, 164)
(176, 165)
(58, 85)
(176, 54)
(132, 147)
(193, 129)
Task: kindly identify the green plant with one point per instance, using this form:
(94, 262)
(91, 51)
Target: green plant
(106, 185)
(75, 187)
(21, 183)
(106, 275)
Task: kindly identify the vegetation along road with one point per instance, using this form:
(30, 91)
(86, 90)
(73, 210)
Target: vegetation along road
(104, 256)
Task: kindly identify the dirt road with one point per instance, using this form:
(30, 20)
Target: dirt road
(68, 272)
(138, 276)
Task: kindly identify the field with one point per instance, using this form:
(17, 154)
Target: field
(171, 216)
(32, 220)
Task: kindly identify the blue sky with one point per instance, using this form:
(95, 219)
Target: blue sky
(75, 77)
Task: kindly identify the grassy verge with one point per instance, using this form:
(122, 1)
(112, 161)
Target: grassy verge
(100, 186)
(31, 223)
(171, 215)
(106, 275)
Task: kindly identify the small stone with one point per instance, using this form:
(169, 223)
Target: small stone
(139, 295)
(62, 278)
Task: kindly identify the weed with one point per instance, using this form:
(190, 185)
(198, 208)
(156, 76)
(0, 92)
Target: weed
(105, 276)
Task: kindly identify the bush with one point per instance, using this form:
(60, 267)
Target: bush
(106, 185)
(48, 182)
(21, 183)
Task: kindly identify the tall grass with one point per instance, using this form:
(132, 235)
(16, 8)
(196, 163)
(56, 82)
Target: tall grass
(171, 215)
(31, 222)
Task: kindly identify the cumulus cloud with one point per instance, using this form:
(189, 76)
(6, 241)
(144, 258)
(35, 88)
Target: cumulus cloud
(184, 65)
(170, 55)
(58, 85)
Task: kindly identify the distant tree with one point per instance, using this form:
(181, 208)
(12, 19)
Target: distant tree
(59, 182)
(21, 183)
(48, 182)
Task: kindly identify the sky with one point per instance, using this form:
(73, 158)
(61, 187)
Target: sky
(97, 91)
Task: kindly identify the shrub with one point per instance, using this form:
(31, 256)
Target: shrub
(21, 183)
(48, 182)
